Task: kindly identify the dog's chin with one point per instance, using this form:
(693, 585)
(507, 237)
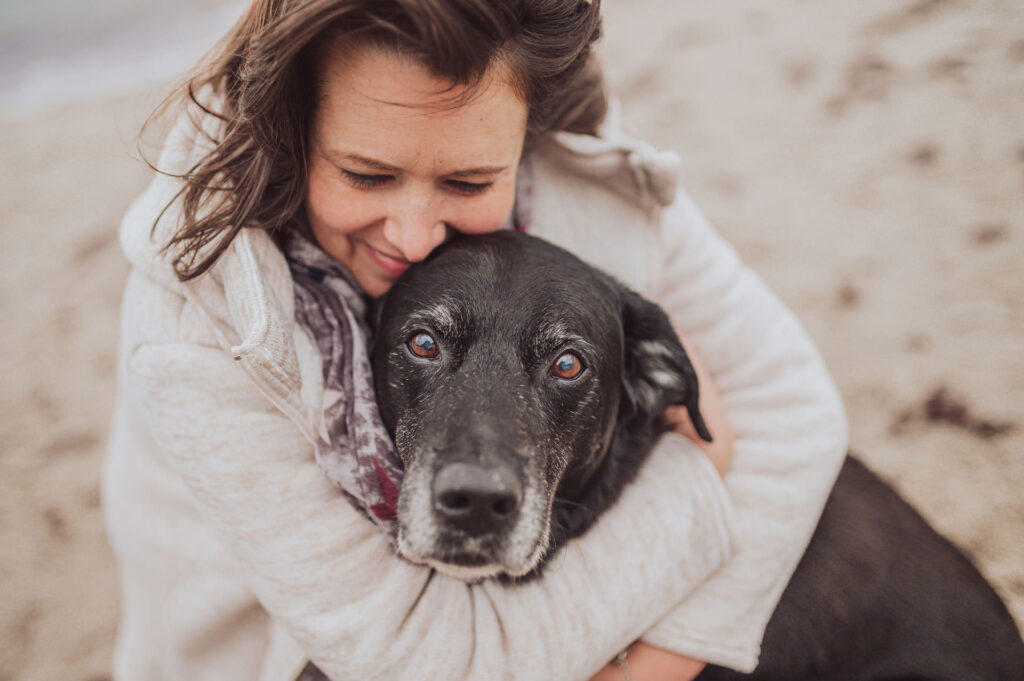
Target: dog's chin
(515, 553)
(466, 568)
(469, 567)
(466, 573)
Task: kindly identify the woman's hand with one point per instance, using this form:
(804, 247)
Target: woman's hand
(720, 449)
(647, 663)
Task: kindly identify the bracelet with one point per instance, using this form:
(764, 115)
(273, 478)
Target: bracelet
(620, 660)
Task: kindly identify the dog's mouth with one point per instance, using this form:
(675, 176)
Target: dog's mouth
(471, 558)
(430, 534)
(466, 559)
(457, 549)
(456, 559)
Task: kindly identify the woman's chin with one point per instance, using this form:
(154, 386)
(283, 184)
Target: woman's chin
(375, 287)
(370, 278)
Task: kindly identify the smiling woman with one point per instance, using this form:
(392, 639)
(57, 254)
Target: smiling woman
(399, 158)
(249, 488)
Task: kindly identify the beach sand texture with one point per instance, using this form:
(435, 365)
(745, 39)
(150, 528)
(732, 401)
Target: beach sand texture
(867, 159)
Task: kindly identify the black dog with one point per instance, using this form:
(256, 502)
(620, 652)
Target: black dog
(524, 389)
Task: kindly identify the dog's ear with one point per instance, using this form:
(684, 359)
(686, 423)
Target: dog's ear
(656, 371)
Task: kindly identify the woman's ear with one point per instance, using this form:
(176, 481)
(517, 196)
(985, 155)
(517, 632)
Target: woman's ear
(656, 371)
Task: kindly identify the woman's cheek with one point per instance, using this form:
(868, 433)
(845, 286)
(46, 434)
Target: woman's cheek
(322, 202)
(338, 209)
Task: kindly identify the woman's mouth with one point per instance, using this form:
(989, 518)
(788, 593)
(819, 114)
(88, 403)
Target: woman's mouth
(389, 263)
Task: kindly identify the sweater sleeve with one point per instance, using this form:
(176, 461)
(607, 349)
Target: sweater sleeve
(790, 430)
(328, 576)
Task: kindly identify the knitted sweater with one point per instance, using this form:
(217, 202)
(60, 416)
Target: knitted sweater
(239, 560)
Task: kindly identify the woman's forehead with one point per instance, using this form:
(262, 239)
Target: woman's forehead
(375, 102)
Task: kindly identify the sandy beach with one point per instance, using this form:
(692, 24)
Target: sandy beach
(866, 159)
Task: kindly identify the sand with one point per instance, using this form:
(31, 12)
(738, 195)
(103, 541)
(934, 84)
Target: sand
(867, 159)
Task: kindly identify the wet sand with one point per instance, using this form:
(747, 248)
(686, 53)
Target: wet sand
(867, 159)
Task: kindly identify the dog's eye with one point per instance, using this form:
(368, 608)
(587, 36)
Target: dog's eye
(423, 345)
(568, 366)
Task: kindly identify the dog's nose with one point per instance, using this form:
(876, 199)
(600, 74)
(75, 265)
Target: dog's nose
(477, 499)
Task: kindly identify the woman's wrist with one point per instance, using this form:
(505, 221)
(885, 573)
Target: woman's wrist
(643, 662)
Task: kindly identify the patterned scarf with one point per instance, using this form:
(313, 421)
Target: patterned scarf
(353, 448)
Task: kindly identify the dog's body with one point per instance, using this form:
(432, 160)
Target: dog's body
(524, 390)
(880, 595)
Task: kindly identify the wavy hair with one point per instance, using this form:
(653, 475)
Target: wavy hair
(263, 76)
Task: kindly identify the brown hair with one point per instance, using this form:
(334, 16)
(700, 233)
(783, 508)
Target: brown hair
(263, 76)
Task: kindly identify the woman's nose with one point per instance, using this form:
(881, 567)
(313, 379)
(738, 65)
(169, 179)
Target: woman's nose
(415, 230)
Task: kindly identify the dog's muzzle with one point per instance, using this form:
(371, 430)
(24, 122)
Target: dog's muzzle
(472, 519)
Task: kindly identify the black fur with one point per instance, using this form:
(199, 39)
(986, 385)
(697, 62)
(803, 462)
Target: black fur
(879, 595)
(512, 304)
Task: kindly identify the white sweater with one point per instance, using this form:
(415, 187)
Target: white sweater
(240, 561)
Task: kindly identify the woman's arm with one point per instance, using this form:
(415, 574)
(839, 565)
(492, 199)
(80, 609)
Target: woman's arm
(790, 435)
(785, 437)
(328, 576)
(646, 662)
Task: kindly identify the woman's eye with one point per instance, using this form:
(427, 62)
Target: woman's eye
(365, 181)
(423, 345)
(469, 188)
(568, 366)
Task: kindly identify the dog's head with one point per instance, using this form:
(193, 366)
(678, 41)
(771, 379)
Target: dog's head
(523, 389)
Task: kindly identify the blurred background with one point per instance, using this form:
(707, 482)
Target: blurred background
(867, 159)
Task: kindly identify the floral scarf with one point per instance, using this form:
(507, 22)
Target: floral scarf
(353, 448)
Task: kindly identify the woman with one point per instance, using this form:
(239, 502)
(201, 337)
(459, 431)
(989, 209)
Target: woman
(377, 128)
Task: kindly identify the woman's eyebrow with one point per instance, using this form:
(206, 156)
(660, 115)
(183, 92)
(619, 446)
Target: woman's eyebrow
(483, 170)
(338, 158)
(377, 165)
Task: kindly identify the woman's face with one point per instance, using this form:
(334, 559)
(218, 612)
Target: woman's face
(396, 166)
